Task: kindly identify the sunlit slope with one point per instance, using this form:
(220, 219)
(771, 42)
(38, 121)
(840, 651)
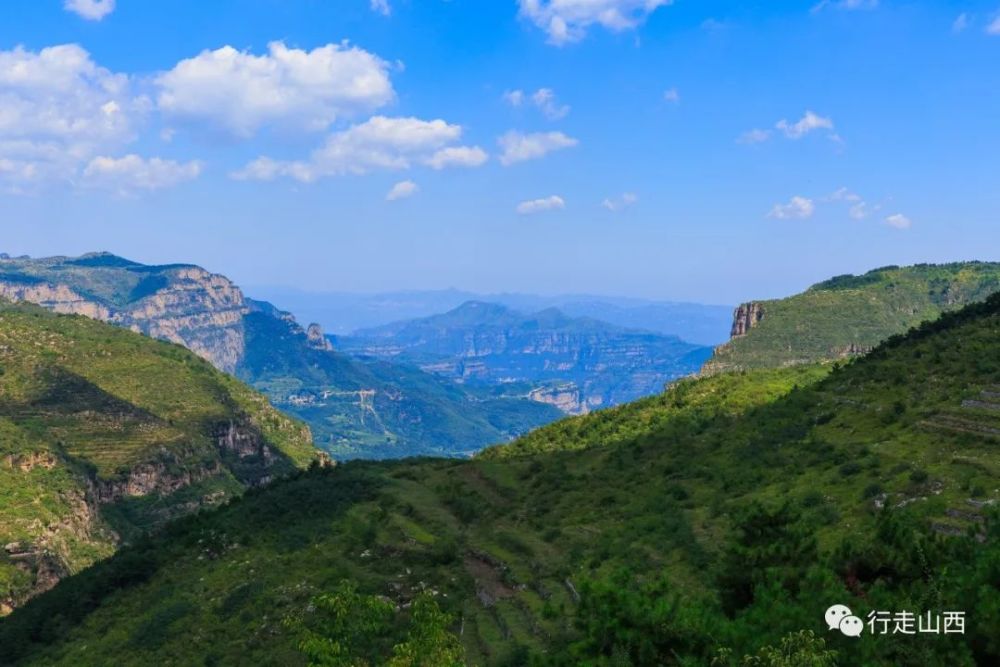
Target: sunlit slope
(871, 487)
(104, 432)
(848, 315)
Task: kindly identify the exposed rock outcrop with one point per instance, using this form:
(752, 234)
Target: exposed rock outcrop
(318, 341)
(746, 317)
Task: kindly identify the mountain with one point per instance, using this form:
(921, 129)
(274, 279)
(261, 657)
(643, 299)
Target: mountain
(105, 433)
(354, 408)
(711, 525)
(576, 364)
(342, 313)
(848, 315)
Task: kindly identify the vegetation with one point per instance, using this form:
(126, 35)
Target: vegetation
(848, 315)
(84, 407)
(718, 540)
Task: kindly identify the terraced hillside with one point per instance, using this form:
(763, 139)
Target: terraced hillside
(687, 531)
(849, 315)
(105, 433)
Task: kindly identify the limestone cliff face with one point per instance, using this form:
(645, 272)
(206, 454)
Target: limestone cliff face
(314, 334)
(191, 307)
(746, 317)
(59, 298)
(200, 310)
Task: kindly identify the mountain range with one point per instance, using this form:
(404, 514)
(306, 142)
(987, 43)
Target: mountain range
(575, 363)
(711, 524)
(342, 313)
(355, 409)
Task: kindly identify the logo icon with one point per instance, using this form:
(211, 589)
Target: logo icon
(840, 617)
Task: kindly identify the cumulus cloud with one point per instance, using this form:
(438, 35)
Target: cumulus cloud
(402, 190)
(132, 172)
(858, 208)
(457, 156)
(59, 109)
(538, 205)
(899, 221)
(567, 21)
(381, 6)
(380, 143)
(92, 10)
(619, 203)
(671, 95)
(800, 128)
(544, 99)
(239, 92)
(518, 147)
(797, 207)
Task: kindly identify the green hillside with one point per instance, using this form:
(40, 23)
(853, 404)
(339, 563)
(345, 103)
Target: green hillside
(709, 533)
(104, 433)
(848, 315)
(355, 409)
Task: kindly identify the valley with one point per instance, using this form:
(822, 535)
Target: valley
(564, 547)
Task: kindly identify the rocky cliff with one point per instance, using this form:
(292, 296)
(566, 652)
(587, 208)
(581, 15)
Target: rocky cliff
(186, 305)
(745, 318)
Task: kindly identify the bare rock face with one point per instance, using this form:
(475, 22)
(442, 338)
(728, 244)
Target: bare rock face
(191, 307)
(745, 318)
(314, 334)
(200, 310)
(58, 298)
(567, 397)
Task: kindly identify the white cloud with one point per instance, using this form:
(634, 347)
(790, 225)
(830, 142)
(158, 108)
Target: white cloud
(381, 6)
(402, 190)
(240, 92)
(543, 98)
(538, 205)
(619, 203)
(131, 172)
(960, 23)
(993, 28)
(808, 123)
(515, 98)
(671, 95)
(754, 136)
(59, 109)
(797, 207)
(568, 20)
(92, 10)
(518, 147)
(457, 156)
(380, 143)
(899, 221)
(858, 208)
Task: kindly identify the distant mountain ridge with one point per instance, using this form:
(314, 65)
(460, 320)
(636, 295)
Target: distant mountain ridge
(848, 315)
(354, 408)
(576, 363)
(343, 313)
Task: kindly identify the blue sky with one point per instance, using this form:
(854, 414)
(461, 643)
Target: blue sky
(688, 151)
